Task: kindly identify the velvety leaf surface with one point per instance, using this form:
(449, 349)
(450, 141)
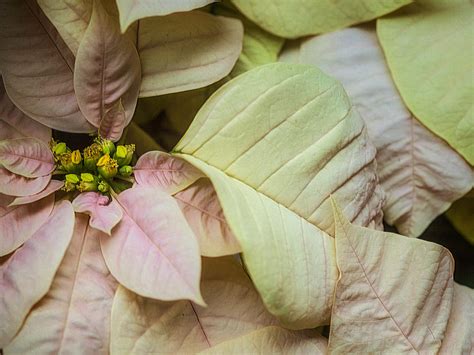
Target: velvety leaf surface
(234, 309)
(258, 47)
(203, 211)
(186, 51)
(104, 214)
(419, 172)
(70, 17)
(131, 11)
(37, 67)
(394, 294)
(113, 122)
(297, 18)
(459, 336)
(107, 71)
(27, 274)
(153, 251)
(28, 157)
(273, 340)
(461, 216)
(439, 92)
(16, 185)
(276, 142)
(52, 187)
(18, 223)
(165, 172)
(74, 316)
(15, 124)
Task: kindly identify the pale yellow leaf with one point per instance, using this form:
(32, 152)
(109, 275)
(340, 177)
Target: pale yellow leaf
(186, 51)
(297, 18)
(131, 11)
(429, 49)
(419, 172)
(276, 142)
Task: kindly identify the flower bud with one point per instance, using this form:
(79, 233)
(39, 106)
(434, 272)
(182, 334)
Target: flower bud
(107, 167)
(108, 147)
(68, 164)
(124, 154)
(126, 171)
(88, 182)
(103, 187)
(76, 157)
(59, 148)
(92, 155)
(72, 178)
(68, 186)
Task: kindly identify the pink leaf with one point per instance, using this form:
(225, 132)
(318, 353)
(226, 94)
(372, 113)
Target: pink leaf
(74, 316)
(16, 185)
(152, 251)
(18, 223)
(53, 186)
(104, 215)
(27, 275)
(107, 70)
(37, 67)
(28, 157)
(113, 122)
(15, 124)
(164, 171)
(201, 207)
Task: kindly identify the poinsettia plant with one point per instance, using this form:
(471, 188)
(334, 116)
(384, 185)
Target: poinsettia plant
(189, 176)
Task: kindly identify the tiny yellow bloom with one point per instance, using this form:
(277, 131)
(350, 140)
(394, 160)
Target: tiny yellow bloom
(104, 159)
(76, 157)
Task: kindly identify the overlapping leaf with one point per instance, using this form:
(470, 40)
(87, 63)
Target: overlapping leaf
(70, 17)
(153, 251)
(165, 172)
(205, 216)
(297, 18)
(438, 89)
(131, 11)
(276, 142)
(37, 67)
(74, 316)
(20, 222)
(259, 47)
(26, 275)
(52, 187)
(105, 213)
(107, 70)
(28, 157)
(186, 51)
(234, 310)
(15, 124)
(420, 173)
(461, 216)
(16, 185)
(394, 294)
